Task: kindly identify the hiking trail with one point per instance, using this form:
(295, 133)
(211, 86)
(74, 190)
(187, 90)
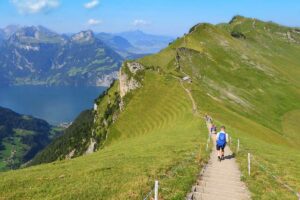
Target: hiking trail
(195, 110)
(220, 180)
(217, 180)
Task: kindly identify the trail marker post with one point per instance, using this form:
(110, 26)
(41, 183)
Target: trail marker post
(238, 145)
(249, 164)
(156, 190)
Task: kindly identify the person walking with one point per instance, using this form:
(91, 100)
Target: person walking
(213, 132)
(222, 139)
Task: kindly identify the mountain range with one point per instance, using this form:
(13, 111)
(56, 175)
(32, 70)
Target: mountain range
(146, 43)
(38, 56)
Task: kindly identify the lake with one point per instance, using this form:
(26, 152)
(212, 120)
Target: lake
(53, 104)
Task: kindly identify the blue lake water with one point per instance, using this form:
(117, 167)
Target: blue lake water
(54, 104)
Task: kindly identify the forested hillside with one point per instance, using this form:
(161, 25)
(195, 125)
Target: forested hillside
(21, 138)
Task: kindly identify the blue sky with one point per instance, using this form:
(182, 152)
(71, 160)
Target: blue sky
(167, 17)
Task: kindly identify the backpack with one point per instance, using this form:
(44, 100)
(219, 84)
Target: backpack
(222, 139)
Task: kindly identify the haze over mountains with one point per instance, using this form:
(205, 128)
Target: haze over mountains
(39, 56)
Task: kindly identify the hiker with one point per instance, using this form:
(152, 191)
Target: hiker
(222, 139)
(213, 132)
(208, 118)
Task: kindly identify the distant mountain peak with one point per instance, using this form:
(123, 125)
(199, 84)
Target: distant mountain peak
(137, 31)
(34, 35)
(34, 32)
(240, 19)
(146, 43)
(11, 29)
(84, 36)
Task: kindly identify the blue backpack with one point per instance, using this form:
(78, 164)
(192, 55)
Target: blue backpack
(222, 139)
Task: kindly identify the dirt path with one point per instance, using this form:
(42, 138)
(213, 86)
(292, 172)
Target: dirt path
(195, 110)
(220, 180)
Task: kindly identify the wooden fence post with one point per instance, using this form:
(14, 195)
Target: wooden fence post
(156, 190)
(249, 164)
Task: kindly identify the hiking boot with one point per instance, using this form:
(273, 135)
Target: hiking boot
(219, 158)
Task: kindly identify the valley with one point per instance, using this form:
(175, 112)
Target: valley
(22, 137)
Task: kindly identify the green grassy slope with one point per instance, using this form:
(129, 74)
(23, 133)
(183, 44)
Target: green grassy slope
(73, 139)
(164, 145)
(244, 73)
(251, 84)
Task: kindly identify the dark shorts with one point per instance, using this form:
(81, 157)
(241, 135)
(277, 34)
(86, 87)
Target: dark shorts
(220, 147)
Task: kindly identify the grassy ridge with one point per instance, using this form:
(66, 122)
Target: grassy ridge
(166, 145)
(250, 84)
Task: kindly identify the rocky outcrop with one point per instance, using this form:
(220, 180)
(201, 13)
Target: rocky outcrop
(127, 80)
(91, 147)
(126, 84)
(71, 154)
(134, 67)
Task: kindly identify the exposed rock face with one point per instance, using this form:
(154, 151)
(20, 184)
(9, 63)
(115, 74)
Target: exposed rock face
(71, 154)
(95, 107)
(127, 83)
(83, 36)
(91, 147)
(134, 67)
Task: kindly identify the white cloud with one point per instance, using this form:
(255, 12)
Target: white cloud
(94, 22)
(140, 22)
(91, 4)
(35, 6)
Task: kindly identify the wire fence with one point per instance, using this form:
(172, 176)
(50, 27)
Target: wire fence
(153, 190)
(253, 160)
(148, 195)
(250, 158)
